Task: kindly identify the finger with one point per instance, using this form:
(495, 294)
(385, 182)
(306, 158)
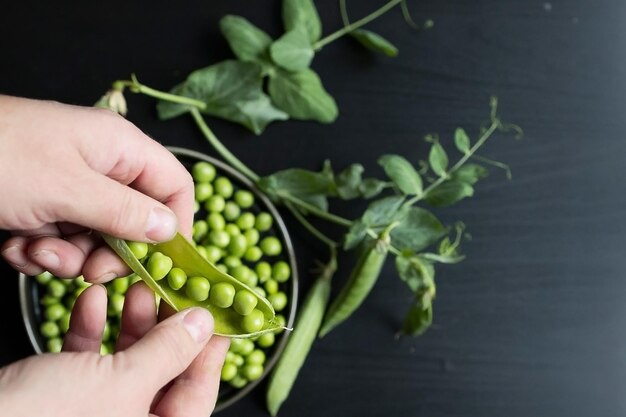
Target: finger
(194, 392)
(48, 229)
(14, 251)
(103, 265)
(138, 315)
(64, 258)
(168, 349)
(87, 321)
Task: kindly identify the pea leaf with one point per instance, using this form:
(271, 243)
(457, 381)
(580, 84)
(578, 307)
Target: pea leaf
(355, 235)
(317, 200)
(302, 13)
(417, 230)
(302, 96)
(374, 42)
(438, 159)
(371, 187)
(402, 173)
(292, 51)
(348, 182)
(231, 90)
(470, 173)
(309, 186)
(449, 193)
(416, 272)
(382, 212)
(444, 259)
(248, 42)
(418, 319)
(461, 140)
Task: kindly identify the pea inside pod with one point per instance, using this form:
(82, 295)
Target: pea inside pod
(228, 320)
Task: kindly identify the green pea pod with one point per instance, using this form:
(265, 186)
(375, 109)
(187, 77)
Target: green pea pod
(362, 279)
(307, 324)
(187, 258)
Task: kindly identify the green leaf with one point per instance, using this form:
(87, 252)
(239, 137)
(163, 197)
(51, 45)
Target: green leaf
(302, 13)
(296, 181)
(418, 319)
(371, 187)
(355, 235)
(231, 90)
(374, 42)
(402, 173)
(449, 193)
(438, 159)
(417, 230)
(382, 212)
(461, 140)
(302, 96)
(292, 51)
(348, 182)
(248, 42)
(318, 200)
(416, 272)
(470, 173)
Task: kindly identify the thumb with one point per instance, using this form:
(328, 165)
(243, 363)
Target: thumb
(101, 203)
(168, 349)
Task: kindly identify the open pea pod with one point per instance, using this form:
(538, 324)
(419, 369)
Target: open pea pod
(187, 258)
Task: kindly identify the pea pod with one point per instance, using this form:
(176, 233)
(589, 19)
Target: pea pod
(299, 343)
(184, 256)
(362, 279)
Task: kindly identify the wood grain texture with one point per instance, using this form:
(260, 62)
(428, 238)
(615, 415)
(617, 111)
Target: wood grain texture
(533, 323)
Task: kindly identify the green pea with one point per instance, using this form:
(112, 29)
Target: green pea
(252, 236)
(56, 288)
(263, 221)
(133, 278)
(213, 253)
(219, 238)
(263, 271)
(106, 332)
(203, 190)
(229, 371)
(159, 265)
(238, 382)
(44, 277)
(64, 322)
(232, 229)
(231, 211)
(244, 198)
(223, 268)
(202, 251)
(256, 357)
(54, 345)
(247, 346)
(222, 294)
(281, 271)
(253, 254)
(238, 360)
(246, 221)
(216, 221)
(49, 329)
(232, 261)
(236, 345)
(120, 285)
(203, 172)
(223, 187)
(240, 272)
(230, 355)
(196, 206)
(197, 288)
(215, 204)
(252, 372)
(271, 286)
(200, 229)
(253, 322)
(271, 246)
(280, 320)
(252, 280)
(260, 291)
(176, 278)
(116, 304)
(245, 302)
(139, 249)
(266, 340)
(238, 245)
(54, 312)
(278, 300)
(47, 300)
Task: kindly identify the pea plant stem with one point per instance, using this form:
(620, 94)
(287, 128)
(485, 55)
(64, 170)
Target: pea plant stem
(136, 87)
(355, 25)
(315, 211)
(312, 229)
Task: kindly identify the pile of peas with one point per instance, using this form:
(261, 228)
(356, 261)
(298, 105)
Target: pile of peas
(230, 231)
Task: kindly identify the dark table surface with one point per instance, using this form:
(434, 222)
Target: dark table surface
(533, 323)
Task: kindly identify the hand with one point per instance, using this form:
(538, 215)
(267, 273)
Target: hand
(135, 381)
(66, 170)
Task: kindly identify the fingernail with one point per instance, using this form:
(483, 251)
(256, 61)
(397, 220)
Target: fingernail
(15, 257)
(161, 225)
(199, 324)
(109, 276)
(47, 259)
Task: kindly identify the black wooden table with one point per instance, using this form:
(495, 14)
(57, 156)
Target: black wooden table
(533, 322)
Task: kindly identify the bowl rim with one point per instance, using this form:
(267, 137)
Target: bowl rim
(25, 284)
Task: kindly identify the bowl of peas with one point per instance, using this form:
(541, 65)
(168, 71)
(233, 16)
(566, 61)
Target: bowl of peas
(237, 229)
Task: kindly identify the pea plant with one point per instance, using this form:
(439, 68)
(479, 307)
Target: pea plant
(270, 81)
